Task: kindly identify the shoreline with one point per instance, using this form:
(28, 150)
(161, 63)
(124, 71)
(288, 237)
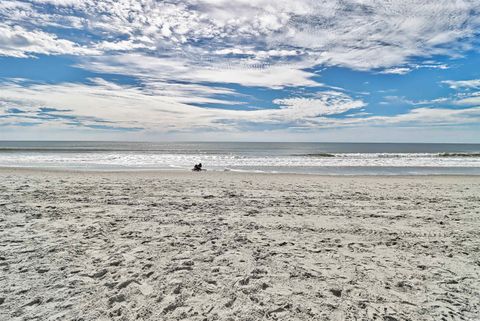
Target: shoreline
(212, 173)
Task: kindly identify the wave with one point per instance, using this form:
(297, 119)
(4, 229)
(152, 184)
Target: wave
(390, 155)
(86, 150)
(59, 150)
(316, 155)
(459, 155)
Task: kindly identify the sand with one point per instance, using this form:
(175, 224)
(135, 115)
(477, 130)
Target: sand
(230, 246)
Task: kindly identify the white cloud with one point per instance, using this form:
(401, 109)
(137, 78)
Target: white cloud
(248, 73)
(473, 100)
(119, 105)
(261, 54)
(466, 94)
(18, 42)
(105, 103)
(327, 103)
(12, 5)
(396, 71)
(463, 84)
(366, 34)
(62, 3)
(122, 45)
(433, 116)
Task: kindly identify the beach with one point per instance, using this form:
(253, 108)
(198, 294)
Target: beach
(153, 245)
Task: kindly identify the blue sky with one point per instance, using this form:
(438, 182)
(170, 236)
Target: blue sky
(305, 70)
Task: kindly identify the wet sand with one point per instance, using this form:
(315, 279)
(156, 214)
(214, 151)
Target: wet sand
(230, 246)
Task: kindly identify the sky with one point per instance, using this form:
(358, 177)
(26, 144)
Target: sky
(247, 70)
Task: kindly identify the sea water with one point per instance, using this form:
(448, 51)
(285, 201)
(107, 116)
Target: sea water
(313, 158)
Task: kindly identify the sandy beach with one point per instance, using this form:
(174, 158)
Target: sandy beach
(231, 246)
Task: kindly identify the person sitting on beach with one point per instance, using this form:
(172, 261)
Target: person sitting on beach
(197, 167)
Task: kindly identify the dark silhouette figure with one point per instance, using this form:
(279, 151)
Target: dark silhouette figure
(197, 167)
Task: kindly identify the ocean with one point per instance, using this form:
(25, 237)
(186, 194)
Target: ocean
(307, 158)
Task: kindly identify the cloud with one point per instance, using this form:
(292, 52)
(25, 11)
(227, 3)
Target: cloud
(326, 103)
(415, 118)
(466, 92)
(411, 67)
(103, 101)
(18, 42)
(463, 84)
(162, 69)
(61, 3)
(473, 100)
(396, 71)
(362, 35)
(433, 117)
(106, 105)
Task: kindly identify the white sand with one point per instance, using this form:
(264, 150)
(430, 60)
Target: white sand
(225, 246)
